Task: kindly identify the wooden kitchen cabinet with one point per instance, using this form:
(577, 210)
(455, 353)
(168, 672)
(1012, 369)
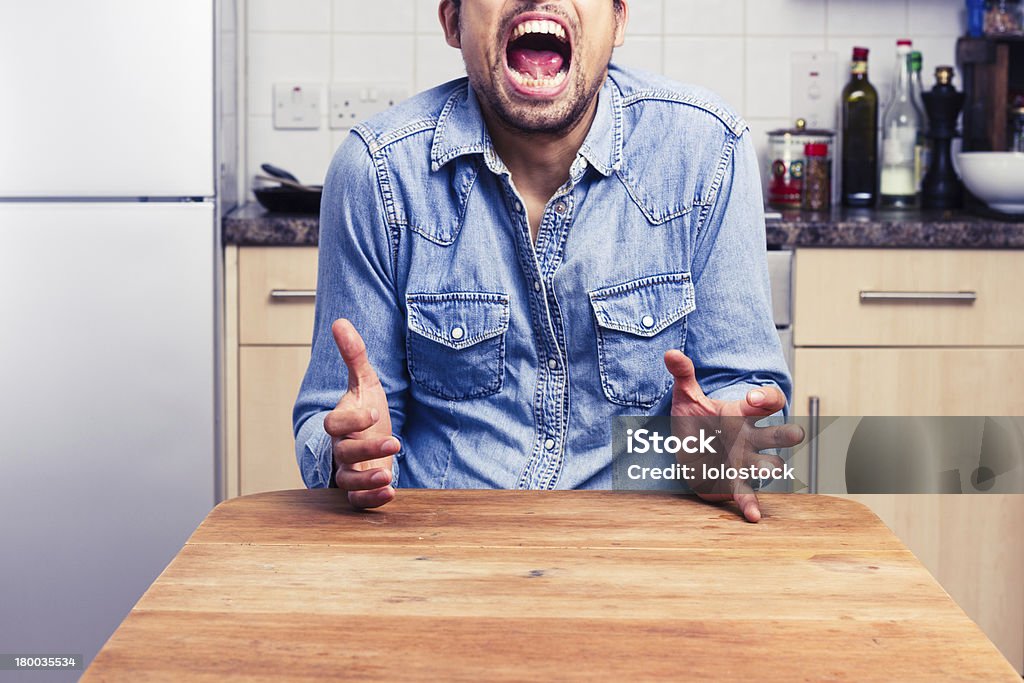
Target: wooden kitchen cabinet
(922, 357)
(268, 380)
(910, 381)
(269, 302)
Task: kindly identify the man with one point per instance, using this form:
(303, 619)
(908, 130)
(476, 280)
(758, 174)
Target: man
(509, 262)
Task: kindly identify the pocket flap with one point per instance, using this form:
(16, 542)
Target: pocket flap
(458, 319)
(646, 306)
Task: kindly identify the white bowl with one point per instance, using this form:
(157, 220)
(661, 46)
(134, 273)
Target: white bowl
(996, 178)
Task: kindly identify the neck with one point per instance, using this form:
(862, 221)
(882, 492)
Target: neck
(539, 162)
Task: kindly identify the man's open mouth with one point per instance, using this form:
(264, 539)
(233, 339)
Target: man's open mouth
(538, 54)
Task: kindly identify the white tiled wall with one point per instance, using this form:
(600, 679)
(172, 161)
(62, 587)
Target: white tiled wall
(739, 48)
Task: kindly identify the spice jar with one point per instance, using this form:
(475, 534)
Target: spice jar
(1004, 17)
(786, 163)
(817, 189)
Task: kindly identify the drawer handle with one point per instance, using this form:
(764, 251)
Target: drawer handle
(292, 294)
(919, 297)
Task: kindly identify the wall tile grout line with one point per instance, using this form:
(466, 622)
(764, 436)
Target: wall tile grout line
(667, 37)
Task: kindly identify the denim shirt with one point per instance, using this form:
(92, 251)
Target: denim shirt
(504, 360)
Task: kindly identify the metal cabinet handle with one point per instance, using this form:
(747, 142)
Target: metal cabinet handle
(813, 412)
(287, 294)
(921, 297)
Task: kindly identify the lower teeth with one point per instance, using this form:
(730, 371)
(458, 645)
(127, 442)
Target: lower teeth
(546, 82)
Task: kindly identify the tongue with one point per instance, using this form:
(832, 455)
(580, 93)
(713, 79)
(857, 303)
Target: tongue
(535, 63)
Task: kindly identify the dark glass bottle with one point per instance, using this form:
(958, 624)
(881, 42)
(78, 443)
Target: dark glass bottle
(860, 135)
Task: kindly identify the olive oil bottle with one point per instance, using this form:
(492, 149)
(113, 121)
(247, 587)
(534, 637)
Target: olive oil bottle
(860, 135)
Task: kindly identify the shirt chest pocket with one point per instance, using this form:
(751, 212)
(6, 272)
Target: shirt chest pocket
(637, 322)
(456, 343)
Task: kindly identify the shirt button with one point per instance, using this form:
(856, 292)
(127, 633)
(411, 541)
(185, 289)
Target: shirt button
(647, 321)
(536, 285)
(519, 206)
(549, 444)
(458, 333)
(560, 208)
(553, 364)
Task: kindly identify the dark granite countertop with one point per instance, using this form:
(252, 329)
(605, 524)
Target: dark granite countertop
(252, 225)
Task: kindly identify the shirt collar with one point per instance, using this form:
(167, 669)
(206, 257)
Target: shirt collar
(461, 130)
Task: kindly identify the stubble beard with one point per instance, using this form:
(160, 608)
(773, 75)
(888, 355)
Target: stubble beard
(538, 117)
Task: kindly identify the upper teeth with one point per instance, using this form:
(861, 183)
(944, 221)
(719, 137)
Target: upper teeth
(539, 26)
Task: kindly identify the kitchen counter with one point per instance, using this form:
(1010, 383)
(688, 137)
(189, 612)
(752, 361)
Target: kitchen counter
(511, 585)
(252, 225)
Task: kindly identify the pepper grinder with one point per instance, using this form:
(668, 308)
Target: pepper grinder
(942, 188)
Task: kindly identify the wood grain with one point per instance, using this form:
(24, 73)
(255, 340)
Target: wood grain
(505, 585)
(972, 544)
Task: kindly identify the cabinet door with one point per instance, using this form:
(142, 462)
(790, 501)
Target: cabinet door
(268, 378)
(277, 295)
(971, 543)
(967, 381)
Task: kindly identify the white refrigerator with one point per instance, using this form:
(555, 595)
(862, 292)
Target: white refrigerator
(115, 139)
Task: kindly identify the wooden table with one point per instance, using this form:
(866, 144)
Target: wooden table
(507, 585)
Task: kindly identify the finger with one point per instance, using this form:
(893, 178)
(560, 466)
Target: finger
(352, 451)
(341, 422)
(779, 436)
(371, 499)
(686, 386)
(363, 480)
(749, 506)
(353, 352)
(759, 402)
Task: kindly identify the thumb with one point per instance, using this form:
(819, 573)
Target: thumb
(353, 351)
(681, 367)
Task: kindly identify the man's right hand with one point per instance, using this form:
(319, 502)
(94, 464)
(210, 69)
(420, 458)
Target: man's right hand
(360, 427)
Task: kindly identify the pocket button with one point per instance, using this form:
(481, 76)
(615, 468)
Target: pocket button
(458, 333)
(647, 321)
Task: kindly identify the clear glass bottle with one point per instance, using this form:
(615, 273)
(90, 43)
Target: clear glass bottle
(923, 149)
(900, 126)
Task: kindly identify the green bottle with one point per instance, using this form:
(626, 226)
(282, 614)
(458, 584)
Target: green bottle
(860, 135)
(923, 149)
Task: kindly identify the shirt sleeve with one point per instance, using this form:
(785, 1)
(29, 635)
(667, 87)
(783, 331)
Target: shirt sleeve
(731, 335)
(355, 280)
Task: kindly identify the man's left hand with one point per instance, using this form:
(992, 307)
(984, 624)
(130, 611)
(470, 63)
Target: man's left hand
(689, 400)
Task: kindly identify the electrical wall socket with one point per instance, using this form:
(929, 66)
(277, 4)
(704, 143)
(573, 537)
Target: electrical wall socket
(814, 89)
(355, 102)
(297, 106)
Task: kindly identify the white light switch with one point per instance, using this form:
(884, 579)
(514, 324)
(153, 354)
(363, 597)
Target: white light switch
(355, 102)
(815, 94)
(297, 106)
